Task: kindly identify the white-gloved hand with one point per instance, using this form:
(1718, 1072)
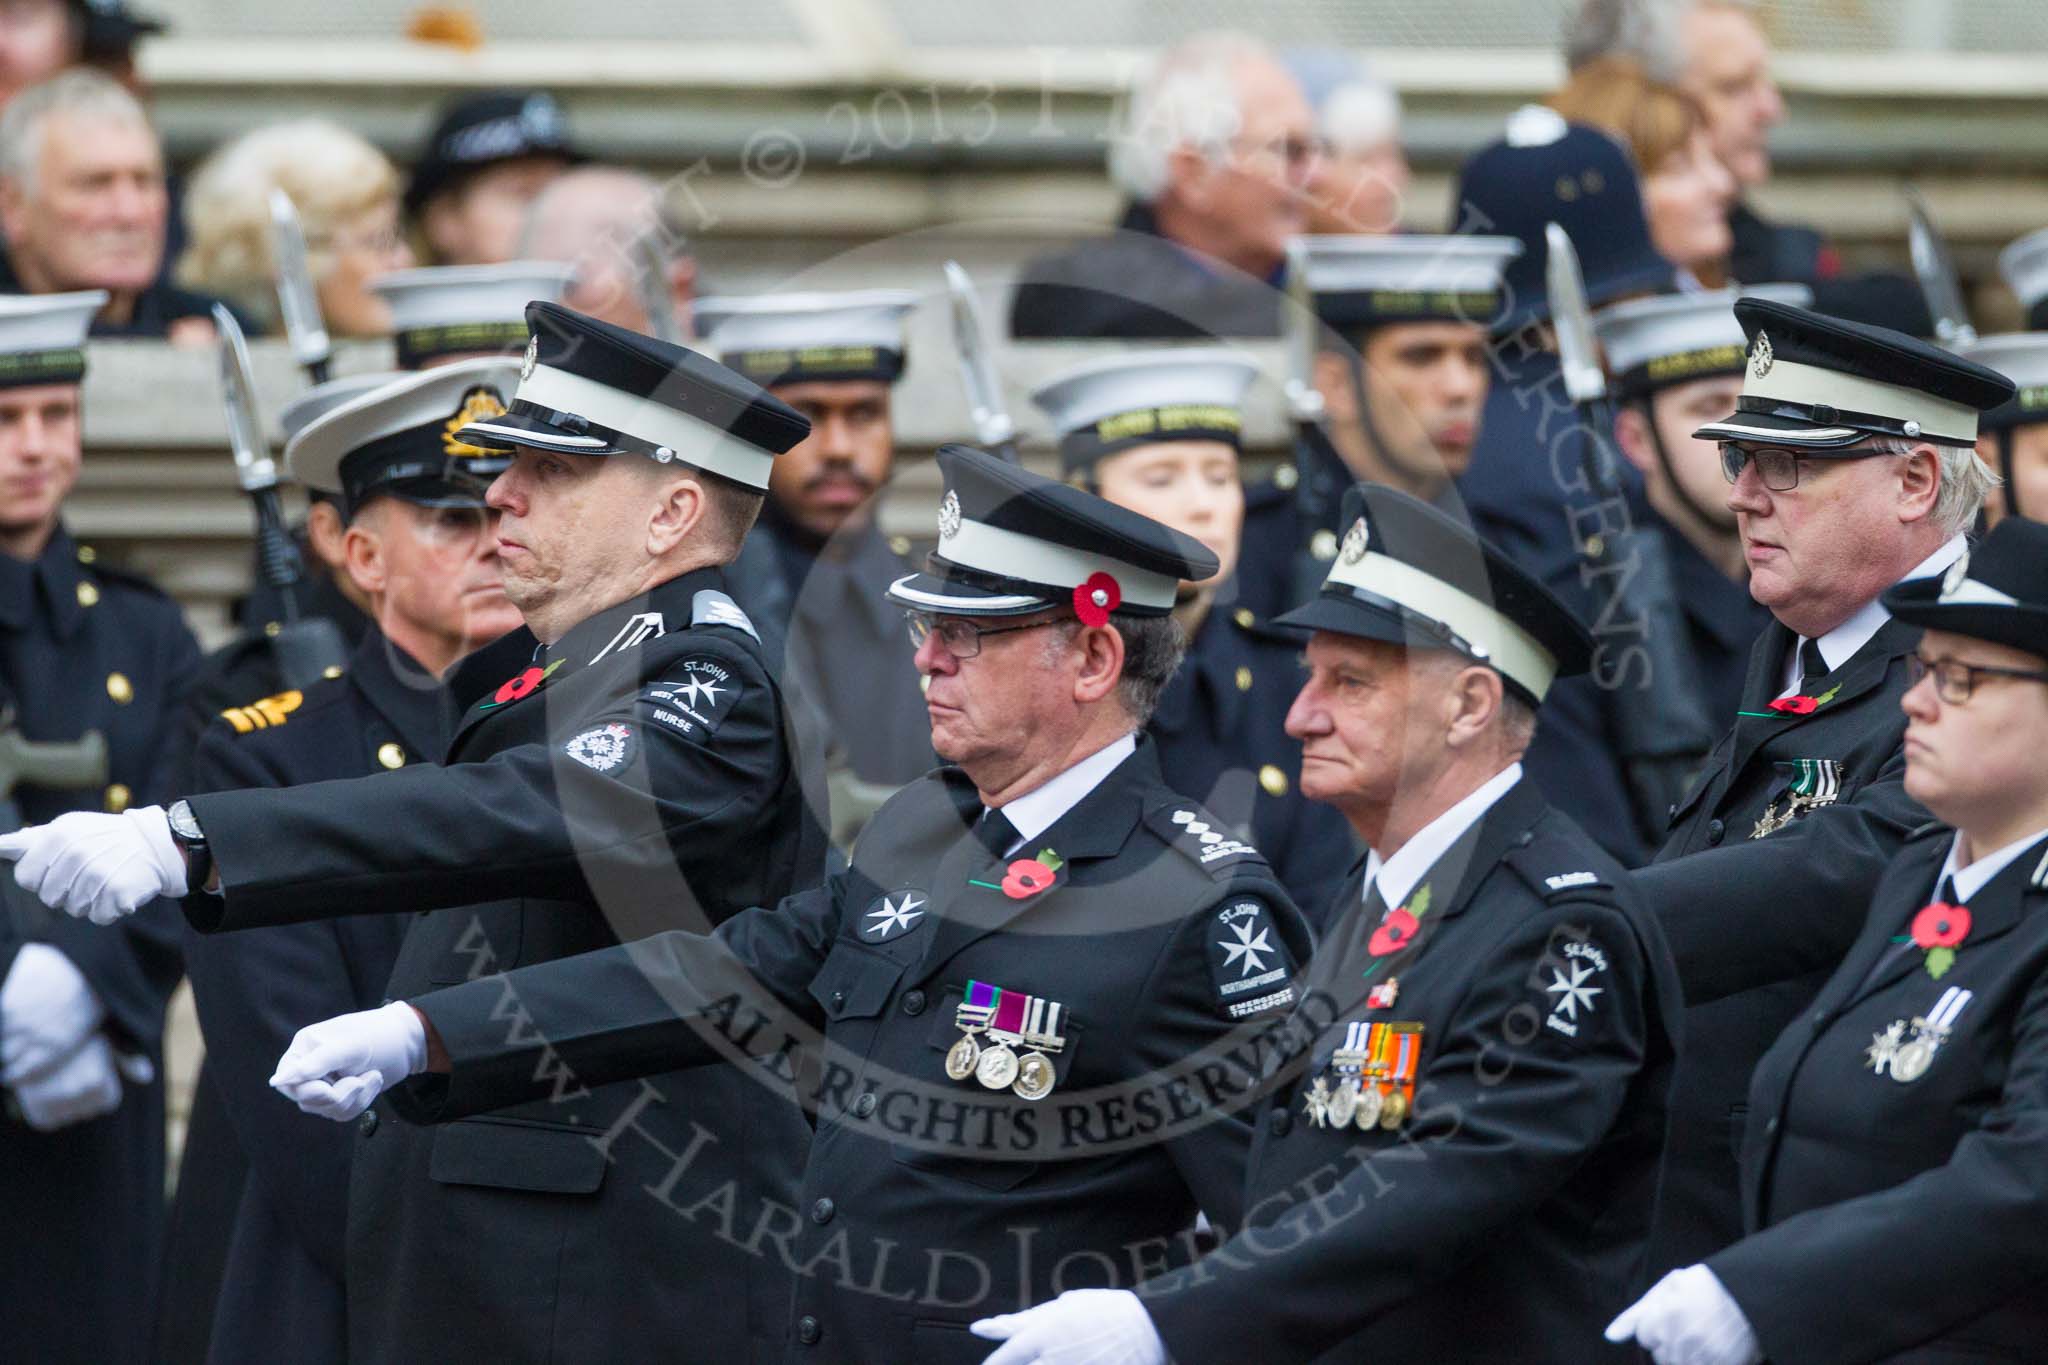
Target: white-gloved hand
(82, 1086)
(1080, 1327)
(46, 1011)
(98, 867)
(337, 1067)
(1689, 1318)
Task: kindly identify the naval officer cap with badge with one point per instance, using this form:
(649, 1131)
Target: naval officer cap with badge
(1487, 1080)
(1911, 1099)
(1037, 934)
(1161, 432)
(635, 775)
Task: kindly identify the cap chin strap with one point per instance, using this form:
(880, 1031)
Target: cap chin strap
(1417, 478)
(1722, 521)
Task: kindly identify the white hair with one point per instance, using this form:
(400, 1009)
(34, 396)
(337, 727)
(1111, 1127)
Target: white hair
(1361, 115)
(1966, 481)
(1190, 97)
(586, 201)
(80, 92)
(1647, 31)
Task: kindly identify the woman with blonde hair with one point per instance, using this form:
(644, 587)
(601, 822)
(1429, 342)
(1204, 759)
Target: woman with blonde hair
(347, 196)
(1687, 192)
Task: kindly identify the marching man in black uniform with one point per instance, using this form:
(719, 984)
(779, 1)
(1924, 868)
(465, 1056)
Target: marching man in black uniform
(634, 776)
(1852, 466)
(1043, 986)
(1464, 1169)
(423, 548)
(1895, 1159)
(1160, 432)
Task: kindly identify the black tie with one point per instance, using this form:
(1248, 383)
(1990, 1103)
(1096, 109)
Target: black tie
(1812, 667)
(994, 832)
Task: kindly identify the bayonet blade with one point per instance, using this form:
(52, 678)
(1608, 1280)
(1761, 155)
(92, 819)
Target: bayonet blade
(992, 425)
(1578, 356)
(1304, 399)
(1936, 274)
(650, 273)
(254, 468)
(296, 299)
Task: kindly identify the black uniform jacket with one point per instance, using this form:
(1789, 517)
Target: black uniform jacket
(1757, 921)
(928, 1201)
(636, 777)
(283, 1276)
(1506, 1219)
(1140, 283)
(1897, 1214)
(1221, 730)
(85, 647)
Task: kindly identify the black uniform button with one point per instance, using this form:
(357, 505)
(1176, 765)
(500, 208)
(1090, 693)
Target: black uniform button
(808, 1331)
(822, 1211)
(1280, 1122)
(1821, 1020)
(367, 1124)
(838, 999)
(865, 1105)
(1671, 812)
(1715, 829)
(913, 1002)
(1771, 1125)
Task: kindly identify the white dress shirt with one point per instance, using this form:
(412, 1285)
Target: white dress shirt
(1397, 876)
(1839, 645)
(1037, 810)
(1970, 878)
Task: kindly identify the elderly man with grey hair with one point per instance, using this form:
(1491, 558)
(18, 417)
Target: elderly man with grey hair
(1852, 467)
(1215, 153)
(83, 206)
(607, 222)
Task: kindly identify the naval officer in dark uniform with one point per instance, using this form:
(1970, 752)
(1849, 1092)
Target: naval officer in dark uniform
(1160, 432)
(1852, 466)
(83, 647)
(1402, 368)
(1043, 984)
(423, 548)
(634, 776)
(814, 572)
(1895, 1158)
(1464, 1168)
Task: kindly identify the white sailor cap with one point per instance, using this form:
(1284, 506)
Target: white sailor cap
(1674, 338)
(403, 438)
(42, 336)
(797, 338)
(2021, 357)
(1365, 281)
(2024, 264)
(440, 311)
(1105, 406)
(296, 415)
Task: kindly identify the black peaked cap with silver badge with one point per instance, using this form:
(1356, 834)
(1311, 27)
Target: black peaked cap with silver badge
(1998, 590)
(1012, 542)
(1823, 383)
(1407, 574)
(590, 388)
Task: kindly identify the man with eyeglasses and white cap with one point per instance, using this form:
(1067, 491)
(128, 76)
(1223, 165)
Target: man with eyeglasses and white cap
(1852, 464)
(630, 773)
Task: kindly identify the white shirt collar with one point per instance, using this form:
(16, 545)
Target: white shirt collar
(1397, 876)
(1969, 880)
(1839, 645)
(1035, 811)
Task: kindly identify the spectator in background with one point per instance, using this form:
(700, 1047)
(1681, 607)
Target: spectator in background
(1362, 178)
(1687, 192)
(1216, 156)
(83, 206)
(484, 163)
(347, 196)
(598, 218)
(39, 38)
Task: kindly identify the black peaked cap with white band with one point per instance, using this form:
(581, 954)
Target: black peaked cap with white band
(1407, 574)
(590, 388)
(1105, 407)
(802, 338)
(1669, 339)
(403, 439)
(439, 311)
(2021, 357)
(1012, 542)
(1998, 590)
(1823, 383)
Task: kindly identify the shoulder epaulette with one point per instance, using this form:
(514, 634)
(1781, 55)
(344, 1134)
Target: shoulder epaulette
(711, 607)
(1557, 872)
(265, 713)
(1201, 838)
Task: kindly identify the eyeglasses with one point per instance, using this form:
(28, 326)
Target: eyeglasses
(961, 639)
(1955, 680)
(1777, 467)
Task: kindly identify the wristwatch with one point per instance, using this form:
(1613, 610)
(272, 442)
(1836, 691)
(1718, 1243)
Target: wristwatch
(191, 841)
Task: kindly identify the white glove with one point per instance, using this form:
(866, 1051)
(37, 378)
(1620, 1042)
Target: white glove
(337, 1067)
(98, 867)
(1080, 1327)
(1689, 1318)
(46, 1011)
(81, 1086)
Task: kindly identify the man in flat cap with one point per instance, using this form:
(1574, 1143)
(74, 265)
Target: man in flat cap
(1463, 1165)
(630, 773)
(1041, 986)
(1852, 467)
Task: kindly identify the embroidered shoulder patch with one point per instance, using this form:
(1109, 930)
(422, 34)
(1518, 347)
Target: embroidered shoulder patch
(266, 714)
(711, 607)
(694, 697)
(1251, 967)
(1572, 992)
(603, 748)
(1201, 837)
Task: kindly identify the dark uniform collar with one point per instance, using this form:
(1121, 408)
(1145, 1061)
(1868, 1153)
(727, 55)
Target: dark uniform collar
(404, 693)
(52, 581)
(660, 611)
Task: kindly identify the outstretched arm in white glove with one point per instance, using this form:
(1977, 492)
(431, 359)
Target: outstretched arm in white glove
(1080, 1327)
(337, 1067)
(98, 867)
(1689, 1318)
